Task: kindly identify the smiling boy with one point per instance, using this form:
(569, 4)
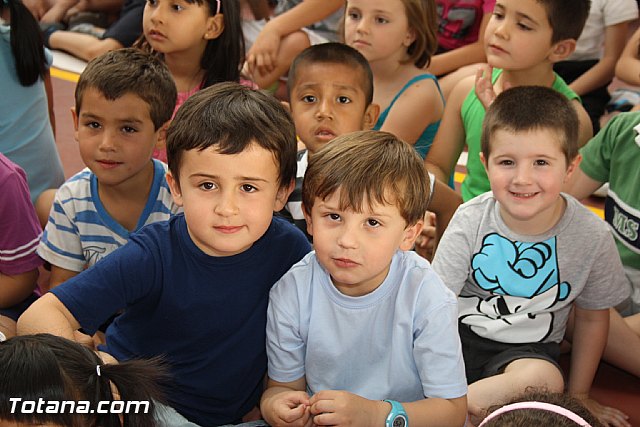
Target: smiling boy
(363, 318)
(520, 257)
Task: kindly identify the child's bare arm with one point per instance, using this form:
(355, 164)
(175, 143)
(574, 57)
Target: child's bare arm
(286, 404)
(465, 55)
(585, 131)
(602, 73)
(16, 288)
(341, 408)
(628, 66)
(418, 107)
(580, 185)
(450, 139)
(48, 315)
(264, 51)
(59, 275)
(444, 203)
(589, 339)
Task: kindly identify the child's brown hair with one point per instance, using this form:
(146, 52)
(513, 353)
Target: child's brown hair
(368, 165)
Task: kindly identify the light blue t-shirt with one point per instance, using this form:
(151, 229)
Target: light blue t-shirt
(26, 137)
(398, 342)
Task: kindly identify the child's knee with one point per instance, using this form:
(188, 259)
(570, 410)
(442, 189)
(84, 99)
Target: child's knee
(537, 373)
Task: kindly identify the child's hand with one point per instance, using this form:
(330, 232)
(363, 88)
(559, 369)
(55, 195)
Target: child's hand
(261, 58)
(339, 408)
(290, 408)
(607, 415)
(425, 242)
(484, 87)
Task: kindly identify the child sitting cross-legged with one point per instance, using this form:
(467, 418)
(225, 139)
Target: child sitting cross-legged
(523, 255)
(362, 318)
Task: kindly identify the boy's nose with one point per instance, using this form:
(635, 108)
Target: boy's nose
(107, 142)
(347, 238)
(324, 110)
(523, 175)
(226, 205)
(363, 26)
(501, 30)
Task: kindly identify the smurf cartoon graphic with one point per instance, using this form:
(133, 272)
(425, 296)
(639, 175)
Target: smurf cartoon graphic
(524, 284)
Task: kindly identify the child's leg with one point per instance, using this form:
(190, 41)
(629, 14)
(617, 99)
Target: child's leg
(516, 377)
(623, 342)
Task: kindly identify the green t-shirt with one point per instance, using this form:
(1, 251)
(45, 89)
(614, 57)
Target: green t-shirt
(472, 113)
(613, 155)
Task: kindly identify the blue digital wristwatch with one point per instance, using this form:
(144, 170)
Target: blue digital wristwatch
(397, 416)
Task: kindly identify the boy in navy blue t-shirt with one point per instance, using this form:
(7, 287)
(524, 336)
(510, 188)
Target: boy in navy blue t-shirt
(195, 289)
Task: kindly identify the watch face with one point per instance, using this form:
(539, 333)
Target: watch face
(399, 421)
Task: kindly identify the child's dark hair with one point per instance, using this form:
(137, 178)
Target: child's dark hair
(369, 166)
(26, 43)
(224, 55)
(423, 20)
(334, 53)
(526, 108)
(566, 17)
(55, 369)
(130, 70)
(541, 408)
(230, 117)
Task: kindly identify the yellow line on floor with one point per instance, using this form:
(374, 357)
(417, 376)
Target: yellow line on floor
(64, 75)
(459, 177)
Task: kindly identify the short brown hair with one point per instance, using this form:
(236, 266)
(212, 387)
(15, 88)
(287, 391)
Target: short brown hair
(525, 108)
(232, 117)
(423, 20)
(368, 164)
(123, 71)
(566, 17)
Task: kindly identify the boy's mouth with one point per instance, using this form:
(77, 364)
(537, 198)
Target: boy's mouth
(325, 134)
(345, 262)
(523, 195)
(108, 164)
(156, 35)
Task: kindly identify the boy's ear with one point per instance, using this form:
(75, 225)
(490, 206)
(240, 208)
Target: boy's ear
(571, 168)
(562, 49)
(74, 116)
(215, 26)
(371, 114)
(174, 186)
(162, 135)
(307, 219)
(411, 233)
(286, 105)
(283, 195)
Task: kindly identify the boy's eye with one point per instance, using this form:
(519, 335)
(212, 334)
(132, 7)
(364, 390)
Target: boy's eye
(524, 26)
(381, 20)
(308, 99)
(248, 188)
(541, 162)
(353, 15)
(128, 129)
(344, 100)
(152, 2)
(333, 217)
(373, 222)
(177, 7)
(498, 15)
(92, 125)
(207, 186)
(506, 162)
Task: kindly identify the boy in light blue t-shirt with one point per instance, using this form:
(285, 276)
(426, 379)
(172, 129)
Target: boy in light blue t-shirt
(363, 318)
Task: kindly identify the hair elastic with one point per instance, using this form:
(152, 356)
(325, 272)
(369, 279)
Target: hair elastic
(98, 370)
(537, 405)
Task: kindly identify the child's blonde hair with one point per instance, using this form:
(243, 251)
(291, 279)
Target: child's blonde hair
(423, 20)
(368, 165)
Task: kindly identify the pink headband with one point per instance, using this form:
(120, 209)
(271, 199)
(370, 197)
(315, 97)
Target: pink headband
(538, 405)
(218, 6)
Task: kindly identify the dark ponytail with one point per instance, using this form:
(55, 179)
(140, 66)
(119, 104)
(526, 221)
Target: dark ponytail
(26, 43)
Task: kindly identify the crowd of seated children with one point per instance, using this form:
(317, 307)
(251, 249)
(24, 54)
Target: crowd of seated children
(591, 67)
(123, 102)
(524, 38)
(516, 258)
(364, 197)
(195, 289)
(27, 129)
